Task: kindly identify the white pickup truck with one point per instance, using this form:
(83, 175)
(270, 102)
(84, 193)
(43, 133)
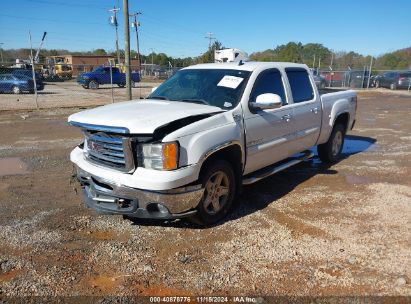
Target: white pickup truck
(187, 149)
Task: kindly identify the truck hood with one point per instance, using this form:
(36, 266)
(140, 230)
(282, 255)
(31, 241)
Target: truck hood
(140, 116)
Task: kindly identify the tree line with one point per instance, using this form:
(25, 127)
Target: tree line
(318, 56)
(313, 54)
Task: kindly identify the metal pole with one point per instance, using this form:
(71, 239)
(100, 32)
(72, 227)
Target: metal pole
(369, 74)
(127, 50)
(111, 81)
(1, 51)
(363, 77)
(314, 62)
(33, 73)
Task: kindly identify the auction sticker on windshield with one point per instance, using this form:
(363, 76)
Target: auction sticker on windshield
(231, 82)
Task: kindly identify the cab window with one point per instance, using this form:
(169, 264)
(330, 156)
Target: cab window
(269, 82)
(300, 84)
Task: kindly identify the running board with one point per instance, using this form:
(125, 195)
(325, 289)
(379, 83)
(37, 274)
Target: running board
(263, 173)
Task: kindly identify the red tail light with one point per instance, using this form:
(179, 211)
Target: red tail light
(402, 78)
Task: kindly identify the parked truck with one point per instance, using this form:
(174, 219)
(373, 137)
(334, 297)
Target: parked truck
(187, 150)
(102, 75)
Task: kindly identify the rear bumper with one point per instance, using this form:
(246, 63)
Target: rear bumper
(109, 197)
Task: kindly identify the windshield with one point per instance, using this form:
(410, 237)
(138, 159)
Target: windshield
(215, 87)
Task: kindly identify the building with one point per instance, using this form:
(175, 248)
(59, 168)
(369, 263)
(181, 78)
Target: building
(86, 63)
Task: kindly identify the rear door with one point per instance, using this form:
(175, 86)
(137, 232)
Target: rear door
(268, 131)
(306, 108)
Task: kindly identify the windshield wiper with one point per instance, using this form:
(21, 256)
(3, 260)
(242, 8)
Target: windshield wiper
(158, 97)
(202, 101)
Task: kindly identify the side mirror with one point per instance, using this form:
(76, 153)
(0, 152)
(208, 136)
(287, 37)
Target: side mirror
(153, 89)
(267, 101)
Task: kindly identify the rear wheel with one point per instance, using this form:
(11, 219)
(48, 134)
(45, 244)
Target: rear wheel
(93, 85)
(121, 85)
(16, 90)
(330, 151)
(219, 184)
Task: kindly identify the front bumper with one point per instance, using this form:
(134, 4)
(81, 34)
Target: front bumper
(109, 197)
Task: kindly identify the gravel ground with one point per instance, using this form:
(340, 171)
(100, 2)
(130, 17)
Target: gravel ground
(312, 230)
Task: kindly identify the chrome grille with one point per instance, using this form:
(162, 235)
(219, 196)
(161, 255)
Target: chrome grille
(109, 150)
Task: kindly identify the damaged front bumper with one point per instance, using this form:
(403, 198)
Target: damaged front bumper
(110, 198)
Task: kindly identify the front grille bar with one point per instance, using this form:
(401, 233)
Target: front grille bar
(112, 151)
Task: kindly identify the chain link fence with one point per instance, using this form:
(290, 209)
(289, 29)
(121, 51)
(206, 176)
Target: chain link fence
(364, 79)
(65, 85)
(85, 85)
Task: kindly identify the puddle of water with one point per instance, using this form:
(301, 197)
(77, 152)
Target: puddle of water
(352, 146)
(12, 166)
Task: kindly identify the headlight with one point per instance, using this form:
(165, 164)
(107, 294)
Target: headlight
(162, 156)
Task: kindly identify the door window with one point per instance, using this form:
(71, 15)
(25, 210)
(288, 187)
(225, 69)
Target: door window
(269, 82)
(300, 84)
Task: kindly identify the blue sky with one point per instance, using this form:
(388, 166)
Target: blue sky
(179, 27)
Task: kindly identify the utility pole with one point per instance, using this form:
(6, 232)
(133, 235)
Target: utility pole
(210, 37)
(152, 61)
(1, 51)
(136, 24)
(113, 21)
(127, 50)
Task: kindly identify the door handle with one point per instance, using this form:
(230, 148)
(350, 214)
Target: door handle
(314, 110)
(286, 117)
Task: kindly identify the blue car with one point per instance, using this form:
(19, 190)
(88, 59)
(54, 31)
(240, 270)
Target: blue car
(102, 75)
(17, 84)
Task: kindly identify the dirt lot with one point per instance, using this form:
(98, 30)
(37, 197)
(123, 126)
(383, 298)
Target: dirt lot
(310, 230)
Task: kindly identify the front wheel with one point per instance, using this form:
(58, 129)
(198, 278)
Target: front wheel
(330, 151)
(219, 184)
(93, 85)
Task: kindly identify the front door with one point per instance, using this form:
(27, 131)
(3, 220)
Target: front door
(268, 132)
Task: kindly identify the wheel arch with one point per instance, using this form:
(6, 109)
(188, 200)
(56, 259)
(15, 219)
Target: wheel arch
(231, 151)
(342, 118)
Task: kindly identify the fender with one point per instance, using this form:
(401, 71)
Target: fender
(340, 106)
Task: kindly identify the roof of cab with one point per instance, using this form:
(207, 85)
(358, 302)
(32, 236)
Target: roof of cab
(247, 65)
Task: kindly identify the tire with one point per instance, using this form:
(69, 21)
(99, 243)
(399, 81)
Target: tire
(330, 151)
(219, 182)
(16, 90)
(377, 84)
(85, 86)
(121, 85)
(93, 85)
(393, 86)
